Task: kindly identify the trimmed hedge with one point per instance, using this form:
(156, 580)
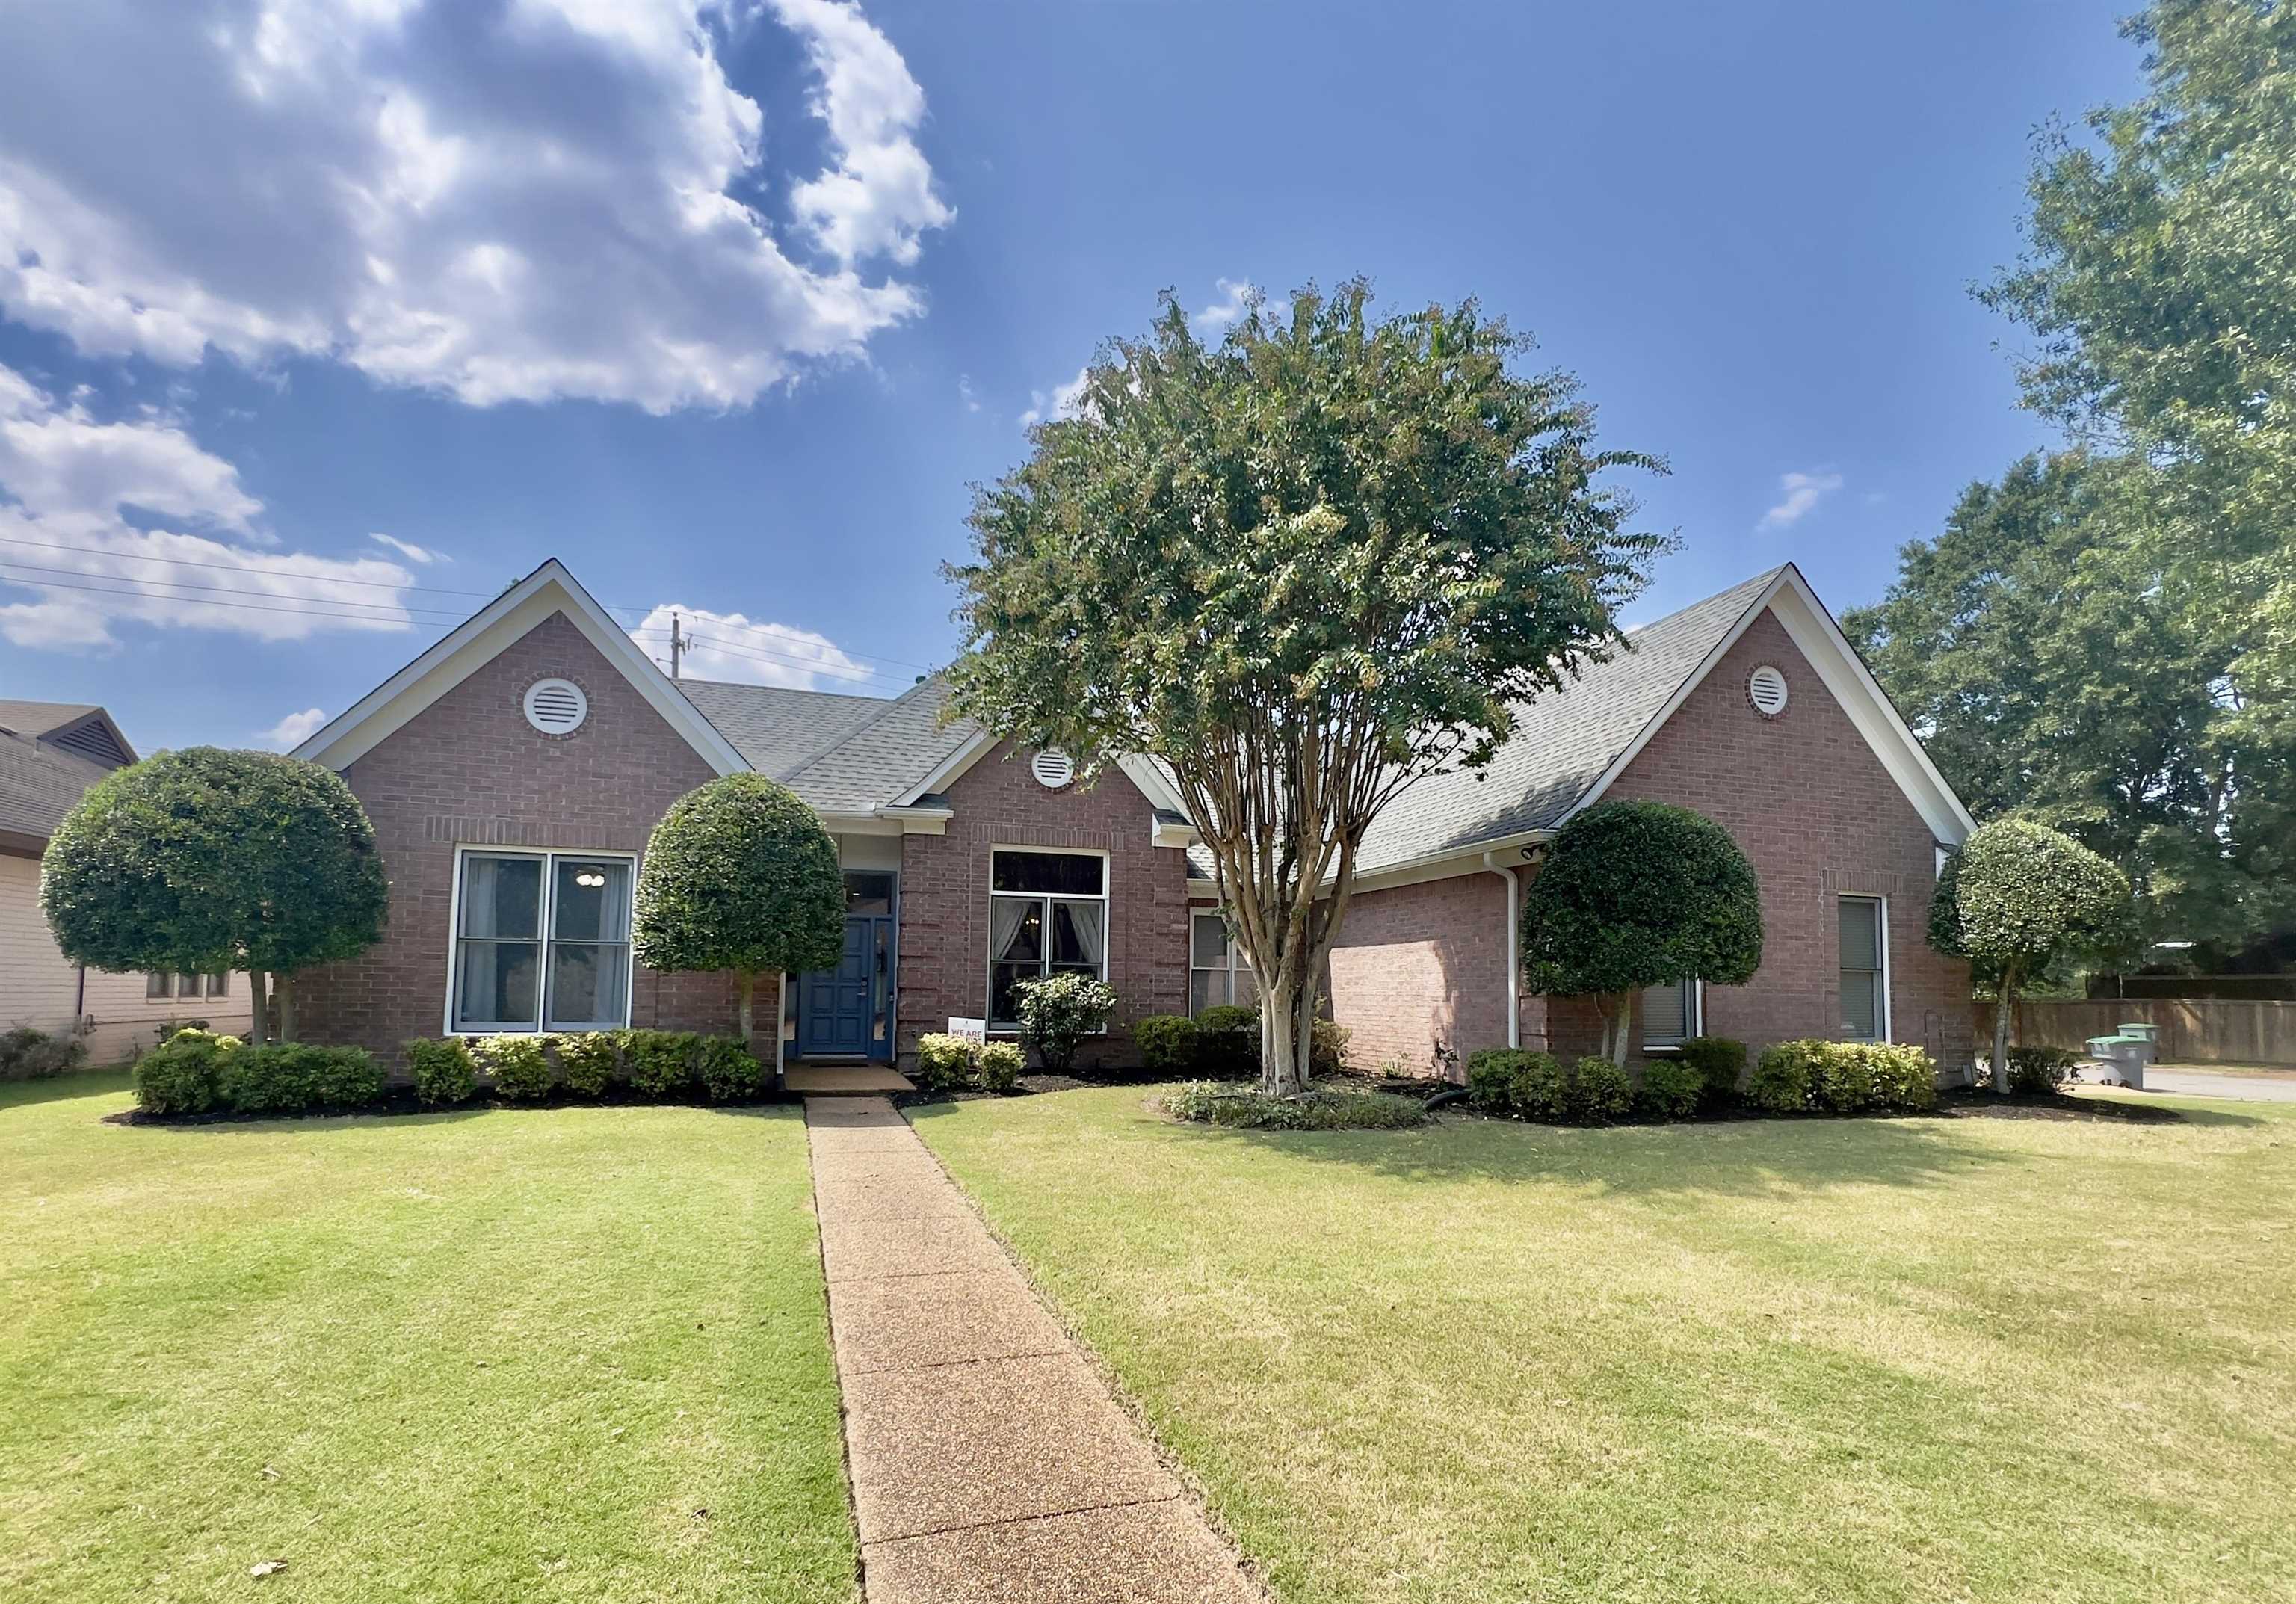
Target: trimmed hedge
(999, 1066)
(1167, 1043)
(1536, 1085)
(730, 1072)
(2040, 1070)
(184, 1075)
(1671, 1088)
(443, 1070)
(1843, 1078)
(587, 1063)
(1210, 1102)
(1721, 1065)
(660, 1063)
(295, 1077)
(516, 1065)
(942, 1060)
(1227, 1042)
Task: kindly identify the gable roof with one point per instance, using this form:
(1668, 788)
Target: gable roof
(40, 781)
(1569, 745)
(80, 727)
(776, 728)
(479, 639)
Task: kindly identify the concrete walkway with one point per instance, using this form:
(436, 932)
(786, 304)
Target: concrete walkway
(989, 1463)
(2197, 1080)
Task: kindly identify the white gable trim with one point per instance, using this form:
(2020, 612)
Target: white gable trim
(951, 769)
(1144, 774)
(483, 636)
(1815, 634)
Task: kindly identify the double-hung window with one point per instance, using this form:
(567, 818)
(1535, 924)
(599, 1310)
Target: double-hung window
(541, 942)
(1218, 970)
(1047, 915)
(1669, 1015)
(163, 985)
(1864, 970)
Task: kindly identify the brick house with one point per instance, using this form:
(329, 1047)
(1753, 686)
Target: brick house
(515, 771)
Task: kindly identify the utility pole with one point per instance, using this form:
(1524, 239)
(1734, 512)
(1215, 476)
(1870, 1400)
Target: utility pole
(677, 645)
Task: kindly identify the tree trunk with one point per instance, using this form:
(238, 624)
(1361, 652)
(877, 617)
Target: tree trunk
(1283, 1061)
(2007, 1001)
(748, 984)
(1621, 1027)
(259, 1005)
(285, 984)
(1303, 1039)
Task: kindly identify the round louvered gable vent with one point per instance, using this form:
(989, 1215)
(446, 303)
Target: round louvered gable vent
(1765, 688)
(556, 706)
(1053, 770)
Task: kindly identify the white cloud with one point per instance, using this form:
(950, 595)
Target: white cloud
(521, 201)
(964, 393)
(409, 550)
(1233, 302)
(730, 646)
(1064, 401)
(293, 730)
(68, 484)
(1798, 493)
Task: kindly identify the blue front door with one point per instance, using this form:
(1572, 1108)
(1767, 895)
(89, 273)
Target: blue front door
(849, 1009)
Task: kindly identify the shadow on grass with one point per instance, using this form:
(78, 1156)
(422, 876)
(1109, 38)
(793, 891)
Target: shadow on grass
(80, 1083)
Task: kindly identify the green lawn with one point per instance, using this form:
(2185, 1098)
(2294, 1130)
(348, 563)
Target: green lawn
(1904, 1359)
(486, 1356)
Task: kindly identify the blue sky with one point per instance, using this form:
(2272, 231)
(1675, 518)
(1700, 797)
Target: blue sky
(725, 305)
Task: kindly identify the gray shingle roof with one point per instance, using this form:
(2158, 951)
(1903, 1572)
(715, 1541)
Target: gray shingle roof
(852, 754)
(775, 729)
(1563, 741)
(30, 719)
(39, 785)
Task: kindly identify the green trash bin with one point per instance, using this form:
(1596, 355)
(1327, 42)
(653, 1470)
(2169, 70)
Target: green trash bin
(2142, 1031)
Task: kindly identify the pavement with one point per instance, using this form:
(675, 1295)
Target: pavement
(2197, 1080)
(989, 1463)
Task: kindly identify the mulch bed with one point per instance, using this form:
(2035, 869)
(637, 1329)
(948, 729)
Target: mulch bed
(1972, 1104)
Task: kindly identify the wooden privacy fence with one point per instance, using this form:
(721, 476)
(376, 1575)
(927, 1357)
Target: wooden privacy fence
(2198, 1030)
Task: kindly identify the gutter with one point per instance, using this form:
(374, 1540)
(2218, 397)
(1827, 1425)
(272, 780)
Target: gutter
(1513, 953)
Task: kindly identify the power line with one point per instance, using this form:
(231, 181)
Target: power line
(229, 590)
(241, 606)
(811, 666)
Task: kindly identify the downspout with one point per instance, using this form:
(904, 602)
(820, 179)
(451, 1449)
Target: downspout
(1513, 953)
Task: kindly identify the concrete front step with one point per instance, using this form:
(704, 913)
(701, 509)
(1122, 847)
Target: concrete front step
(858, 1080)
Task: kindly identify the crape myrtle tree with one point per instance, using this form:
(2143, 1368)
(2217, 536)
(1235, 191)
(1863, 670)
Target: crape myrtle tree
(1300, 570)
(204, 860)
(2017, 897)
(1639, 893)
(740, 875)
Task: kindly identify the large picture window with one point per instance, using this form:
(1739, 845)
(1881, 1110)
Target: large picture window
(1047, 915)
(1864, 970)
(1218, 970)
(541, 942)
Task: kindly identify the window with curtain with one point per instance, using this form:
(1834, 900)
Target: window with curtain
(542, 942)
(1047, 915)
(1865, 991)
(165, 984)
(1218, 970)
(1669, 1014)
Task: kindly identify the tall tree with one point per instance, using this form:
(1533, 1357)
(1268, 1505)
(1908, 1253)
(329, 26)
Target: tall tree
(1634, 894)
(1301, 570)
(740, 875)
(205, 860)
(2049, 674)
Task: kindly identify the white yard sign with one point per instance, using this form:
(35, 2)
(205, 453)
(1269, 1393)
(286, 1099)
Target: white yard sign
(975, 1031)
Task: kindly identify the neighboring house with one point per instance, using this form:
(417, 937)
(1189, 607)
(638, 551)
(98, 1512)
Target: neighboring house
(515, 771)
(50, 754)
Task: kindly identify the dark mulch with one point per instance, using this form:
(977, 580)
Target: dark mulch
(1972, 1104)
(401, 1100)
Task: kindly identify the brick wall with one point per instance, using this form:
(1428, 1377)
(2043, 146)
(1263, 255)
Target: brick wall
(1813, 809)
(469, 768)
(944, 937)
(1418, 965)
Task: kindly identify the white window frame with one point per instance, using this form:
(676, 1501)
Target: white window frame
(545, 940)
(169, 985)
(1107, 922)
(1887, 1035)
(1697, 1022)
(1237, 963)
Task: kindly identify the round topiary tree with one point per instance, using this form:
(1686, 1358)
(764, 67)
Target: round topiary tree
(2016, 899)
(740, 875)
(1639, 893)
(205, 860)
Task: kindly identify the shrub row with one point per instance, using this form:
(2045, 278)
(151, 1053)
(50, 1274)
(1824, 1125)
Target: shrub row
(29, 1054)
(1842, 1077)
(1222, 1042)
(197, 1071)
(948, 1061)
(1214, 1102)
(1537, 1085)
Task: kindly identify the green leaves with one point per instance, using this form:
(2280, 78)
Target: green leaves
(1641, 894)
(207, 860)
(739, 874)
(2019, 895)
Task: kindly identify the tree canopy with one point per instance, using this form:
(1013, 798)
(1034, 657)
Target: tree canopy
(1301, 568)
(739, 875)
(2048, 676)
(205, 860)
(1640, 894)
(2017, 897)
